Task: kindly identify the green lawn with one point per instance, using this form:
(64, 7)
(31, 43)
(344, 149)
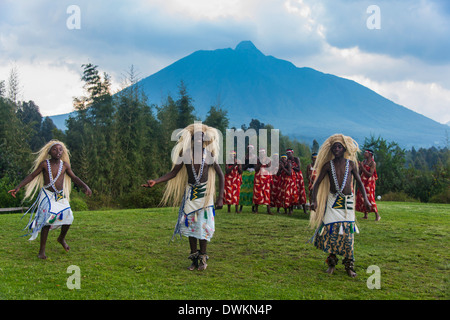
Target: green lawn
(125, 254)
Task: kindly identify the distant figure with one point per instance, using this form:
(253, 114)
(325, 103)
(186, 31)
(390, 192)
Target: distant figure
(233, 181)
(248, 175)
(288, 195)
(295, 163)
(52, 175)
(191, 182)
(368, 172)
(262, 182)
(332, 211)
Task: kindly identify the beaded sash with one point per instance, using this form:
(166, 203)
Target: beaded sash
(50, 175)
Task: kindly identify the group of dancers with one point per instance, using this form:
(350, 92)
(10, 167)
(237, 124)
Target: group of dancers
(191, 185)
(276, 182)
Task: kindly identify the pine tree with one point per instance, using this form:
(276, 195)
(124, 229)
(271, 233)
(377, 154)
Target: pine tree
(47, 129)
(31, 118)
(2, 89)
(15, 154)
(13, 85)
(90, 131)
(135, 143)
(167, 116)
(217, 118)
(185, 107)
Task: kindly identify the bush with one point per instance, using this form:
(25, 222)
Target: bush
(397, 196)
(77, 202)
(138, 198)
(100, 201)
(142, 198)
(6, 200)
(443, 197)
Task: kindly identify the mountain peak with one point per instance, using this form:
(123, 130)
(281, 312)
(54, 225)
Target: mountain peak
(247, 46)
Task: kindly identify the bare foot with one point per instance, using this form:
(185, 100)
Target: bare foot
(42, 256)
(64, 244)
(377, 218)
(330, 270)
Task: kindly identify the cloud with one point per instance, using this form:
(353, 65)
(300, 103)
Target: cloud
(408, 27)
(428, 99)
(53, 90)
(329, 35)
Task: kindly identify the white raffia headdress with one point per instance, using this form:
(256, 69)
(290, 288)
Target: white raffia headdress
(175, 187)
(38, 182)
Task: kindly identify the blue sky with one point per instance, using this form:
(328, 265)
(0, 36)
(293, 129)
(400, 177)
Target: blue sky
(407, 59)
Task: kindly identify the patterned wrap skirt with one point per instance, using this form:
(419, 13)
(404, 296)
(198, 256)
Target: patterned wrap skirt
(261, 187)
(232, 189)
(336, 233)
(369, 184)
(195, 219)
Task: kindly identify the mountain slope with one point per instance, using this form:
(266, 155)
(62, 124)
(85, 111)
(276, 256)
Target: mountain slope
(302, 102)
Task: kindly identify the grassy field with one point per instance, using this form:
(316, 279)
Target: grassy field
(125, 254)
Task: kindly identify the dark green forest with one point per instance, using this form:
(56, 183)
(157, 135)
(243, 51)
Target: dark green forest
(118, 140)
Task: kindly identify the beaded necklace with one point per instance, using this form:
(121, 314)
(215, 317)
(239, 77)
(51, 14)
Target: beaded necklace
(198, 177)
(333, 173)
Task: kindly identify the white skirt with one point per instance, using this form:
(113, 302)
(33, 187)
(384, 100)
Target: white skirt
(194, 219)
(50, 209)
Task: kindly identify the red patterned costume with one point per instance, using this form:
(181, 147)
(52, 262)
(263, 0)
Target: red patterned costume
(233, 181)
(300, 184)
(261, 186)
(369, 185)
(288, 195)
(275, 190)
(311, 181)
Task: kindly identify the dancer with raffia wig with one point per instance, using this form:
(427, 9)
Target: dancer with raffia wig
(233, 181)
(52, 176)
(332, 206)
(191, 182)
(368, 172)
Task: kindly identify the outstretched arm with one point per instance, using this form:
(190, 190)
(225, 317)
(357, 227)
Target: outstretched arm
(164, 178)
(27, 180)
(77, 180)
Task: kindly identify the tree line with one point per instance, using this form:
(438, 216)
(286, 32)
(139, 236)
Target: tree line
(119, 140)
